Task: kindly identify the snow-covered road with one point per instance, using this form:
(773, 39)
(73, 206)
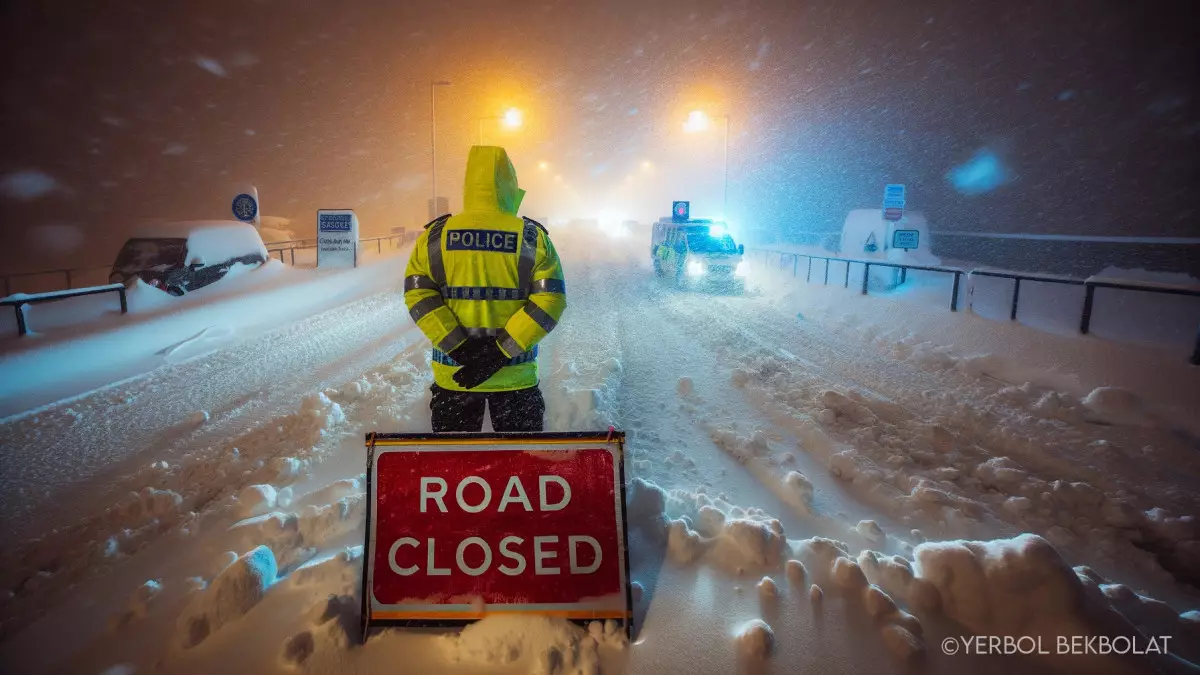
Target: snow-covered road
(736, 408)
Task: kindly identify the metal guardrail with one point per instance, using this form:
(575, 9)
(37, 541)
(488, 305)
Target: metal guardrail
(867, 264)
(70, 274)
(1090, 286)
(22, 300)
(303, 244)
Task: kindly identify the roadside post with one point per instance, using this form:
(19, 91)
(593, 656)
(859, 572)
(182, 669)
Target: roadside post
(463, 526)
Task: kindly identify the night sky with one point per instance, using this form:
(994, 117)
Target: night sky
(1082, 112)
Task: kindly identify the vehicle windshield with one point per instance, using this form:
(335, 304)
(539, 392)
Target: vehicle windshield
(150, 255)
(705, 243)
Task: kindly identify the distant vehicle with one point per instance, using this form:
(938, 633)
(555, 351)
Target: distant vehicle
(182, 257)
(697, 253)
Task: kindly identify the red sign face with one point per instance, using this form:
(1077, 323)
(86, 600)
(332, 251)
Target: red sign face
(457, 526)
(893, 214)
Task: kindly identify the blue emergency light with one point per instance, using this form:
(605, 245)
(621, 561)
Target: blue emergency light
(680, 210)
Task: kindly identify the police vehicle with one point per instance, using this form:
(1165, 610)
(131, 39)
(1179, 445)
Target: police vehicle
(697, 253)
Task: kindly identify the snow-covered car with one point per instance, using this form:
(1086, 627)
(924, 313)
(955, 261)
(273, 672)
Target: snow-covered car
(181, 257)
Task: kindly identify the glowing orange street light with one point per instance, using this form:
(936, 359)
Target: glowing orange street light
(697, 121)
(511, 119)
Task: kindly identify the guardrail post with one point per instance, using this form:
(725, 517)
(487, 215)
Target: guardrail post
(68, 273)
(1012, 315)
(293, 256)
(795, 261)
(21, 327)
(1196, 349)
(808, 277)
(124, 300)
(954, 293)
(1089, 294)
(847, 284)
(903, 274)
(866, 275)
(827, 271)
(379, 246)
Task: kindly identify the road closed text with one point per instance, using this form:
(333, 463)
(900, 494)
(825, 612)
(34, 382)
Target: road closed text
(512, 554)
(507, 526)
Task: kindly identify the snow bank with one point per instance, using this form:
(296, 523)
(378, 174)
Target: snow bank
(755, 640)
(540, 645)
(235, 591)
(1021, 586)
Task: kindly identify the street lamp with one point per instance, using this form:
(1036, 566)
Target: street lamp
(433, 134)
(512, 118)
(698, 121)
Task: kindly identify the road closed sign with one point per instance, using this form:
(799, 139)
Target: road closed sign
(337, 239)
(464, 525)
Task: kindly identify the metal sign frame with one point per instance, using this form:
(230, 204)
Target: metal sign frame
(378, 443)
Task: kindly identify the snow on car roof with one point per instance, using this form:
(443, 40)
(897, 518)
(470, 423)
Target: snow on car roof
(209, 240)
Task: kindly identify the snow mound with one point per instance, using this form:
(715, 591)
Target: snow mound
(138, 605)
(257, 499)
(235, 591)
(1021, 586)
(755, 640)
(799, 489)
(871, 531)
(1016, 586)
(901, 643)
(1117, 405)
(542, 645)
(767, 590)
(796, 574)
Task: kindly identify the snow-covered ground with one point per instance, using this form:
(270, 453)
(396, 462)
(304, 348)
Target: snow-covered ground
(807, 470)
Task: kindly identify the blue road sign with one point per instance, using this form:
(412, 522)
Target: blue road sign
(906, 239)
(245, 208)
(680, 210)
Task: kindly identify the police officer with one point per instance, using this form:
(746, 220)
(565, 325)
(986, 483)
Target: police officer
(485, 286)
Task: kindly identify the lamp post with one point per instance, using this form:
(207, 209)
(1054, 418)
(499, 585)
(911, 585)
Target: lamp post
(433, 134)
(511, 118)
(698, 121)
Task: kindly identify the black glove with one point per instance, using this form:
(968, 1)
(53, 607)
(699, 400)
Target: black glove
(488, 360)
(473, 350)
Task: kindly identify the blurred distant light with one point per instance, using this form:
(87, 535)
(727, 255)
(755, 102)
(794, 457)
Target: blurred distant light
(982, 173)
(697, 121)
(612, 223)
(646, 165)
(717, 231)
(512, 118)
(557, 178)
(543, 165)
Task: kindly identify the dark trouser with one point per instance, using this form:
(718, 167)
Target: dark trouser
(520, 410)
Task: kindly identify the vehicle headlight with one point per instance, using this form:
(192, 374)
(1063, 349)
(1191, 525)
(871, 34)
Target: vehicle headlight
(742, 269)
(695, 268)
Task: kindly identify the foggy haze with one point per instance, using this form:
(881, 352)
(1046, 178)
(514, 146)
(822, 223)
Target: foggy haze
(1027, 116)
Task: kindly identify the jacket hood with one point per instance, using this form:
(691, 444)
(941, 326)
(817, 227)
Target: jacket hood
(491, 183)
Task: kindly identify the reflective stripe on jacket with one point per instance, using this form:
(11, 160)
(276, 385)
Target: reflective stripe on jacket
(486, 271)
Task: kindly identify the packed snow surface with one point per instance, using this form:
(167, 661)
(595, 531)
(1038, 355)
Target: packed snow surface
(814, 484)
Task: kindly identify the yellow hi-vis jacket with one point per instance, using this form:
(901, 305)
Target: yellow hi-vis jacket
(488, 272)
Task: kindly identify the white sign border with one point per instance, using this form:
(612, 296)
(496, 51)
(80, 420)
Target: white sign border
(609, 604)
